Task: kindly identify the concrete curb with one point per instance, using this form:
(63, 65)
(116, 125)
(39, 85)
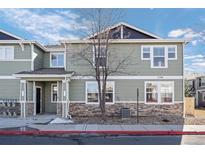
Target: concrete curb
(11, 132)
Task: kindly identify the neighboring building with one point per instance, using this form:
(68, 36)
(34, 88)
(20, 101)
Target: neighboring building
(197, 87)
(49, 79)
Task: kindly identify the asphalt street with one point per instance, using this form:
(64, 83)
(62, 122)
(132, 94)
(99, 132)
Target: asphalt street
(102, 140)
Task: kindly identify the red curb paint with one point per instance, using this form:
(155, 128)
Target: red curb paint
(11, 132)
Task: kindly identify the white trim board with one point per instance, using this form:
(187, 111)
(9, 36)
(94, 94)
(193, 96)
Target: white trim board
(129, 77)
(15, 60)
(8, 77)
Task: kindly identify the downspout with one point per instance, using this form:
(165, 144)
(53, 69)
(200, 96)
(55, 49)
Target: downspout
(184, 110)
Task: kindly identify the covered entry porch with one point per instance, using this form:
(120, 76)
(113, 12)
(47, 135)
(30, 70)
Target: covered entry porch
(44, 91)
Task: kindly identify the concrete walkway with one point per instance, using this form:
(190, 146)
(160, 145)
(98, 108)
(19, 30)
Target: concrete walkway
(95, 127)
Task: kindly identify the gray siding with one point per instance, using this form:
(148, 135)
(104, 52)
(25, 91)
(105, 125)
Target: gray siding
(49, 107)
(9, 89)
(134, 65)
(38, 62)
(46, 62)
(19, 53)
(11, 67)
(125, 90)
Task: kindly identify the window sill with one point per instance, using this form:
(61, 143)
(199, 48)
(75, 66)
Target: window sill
(97, 103)
(168, 103)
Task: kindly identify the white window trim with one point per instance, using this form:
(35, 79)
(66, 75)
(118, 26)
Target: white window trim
(159, 93)
(13, 58)
(166, 54)
(145, 46)
(172, 46)
(57, 53)
(86, 96)
(52, 84)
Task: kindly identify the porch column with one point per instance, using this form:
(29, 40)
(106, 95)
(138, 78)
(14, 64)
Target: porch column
(197, 99)
(34, 97)
(65, 98)
(23, 98)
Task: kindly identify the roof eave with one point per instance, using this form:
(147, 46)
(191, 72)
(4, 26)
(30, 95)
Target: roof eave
(130, 41)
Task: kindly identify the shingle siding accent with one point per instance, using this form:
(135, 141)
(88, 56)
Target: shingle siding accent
(4, 36)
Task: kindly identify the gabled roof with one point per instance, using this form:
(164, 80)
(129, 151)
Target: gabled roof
(131, 27)
(4, 35)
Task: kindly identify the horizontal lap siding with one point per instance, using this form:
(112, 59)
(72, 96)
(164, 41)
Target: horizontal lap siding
(8, 68)
(49, 107)
(38, 62)
(125, 90)
(134, 65)
(9, 89)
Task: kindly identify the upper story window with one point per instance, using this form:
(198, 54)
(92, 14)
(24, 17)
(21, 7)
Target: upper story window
(101, 59)
(159, 58)
(6, 53)
(172, 52)
(57, 59)
(146, 53)
(159, 54)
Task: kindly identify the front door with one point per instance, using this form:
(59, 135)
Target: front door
(38, 100)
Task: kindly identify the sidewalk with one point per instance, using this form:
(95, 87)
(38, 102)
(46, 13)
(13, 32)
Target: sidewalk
(40, 125)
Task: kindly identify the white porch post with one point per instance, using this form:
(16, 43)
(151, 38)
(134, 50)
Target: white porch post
(65, 97)
(23, 98)
(34, 97)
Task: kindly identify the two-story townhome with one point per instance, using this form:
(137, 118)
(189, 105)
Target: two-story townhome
(50, 79)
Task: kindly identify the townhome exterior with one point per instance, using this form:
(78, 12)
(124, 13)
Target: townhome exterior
(49, 79)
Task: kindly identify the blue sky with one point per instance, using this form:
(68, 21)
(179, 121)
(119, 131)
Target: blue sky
(50, 25)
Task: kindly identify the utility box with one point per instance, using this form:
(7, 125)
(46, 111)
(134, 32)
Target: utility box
(125, 113)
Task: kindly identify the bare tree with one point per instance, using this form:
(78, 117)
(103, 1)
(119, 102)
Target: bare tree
(102, 59)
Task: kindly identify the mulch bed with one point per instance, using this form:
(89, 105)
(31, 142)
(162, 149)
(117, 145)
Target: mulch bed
(171, 120)
(160, 120)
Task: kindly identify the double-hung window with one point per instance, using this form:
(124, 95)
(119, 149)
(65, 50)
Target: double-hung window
(159, 58)
(57, 59)
(146, 53)
(159, 92)
(6, 53)
(92, 95)
(172, 52)
(159, 54)
(99, 58)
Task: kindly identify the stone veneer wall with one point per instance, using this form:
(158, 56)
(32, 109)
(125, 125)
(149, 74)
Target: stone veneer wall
(82, 109)
(59, 109)
(29, 109)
